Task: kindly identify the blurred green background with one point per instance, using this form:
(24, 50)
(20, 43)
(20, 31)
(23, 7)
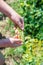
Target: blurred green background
(31, 52)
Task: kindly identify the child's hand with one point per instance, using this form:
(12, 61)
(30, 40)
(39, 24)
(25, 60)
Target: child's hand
(18, 20)
(15, 17)
(15, 42)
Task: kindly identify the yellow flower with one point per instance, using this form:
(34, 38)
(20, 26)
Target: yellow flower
(28, 45)
(34, 46)
(36, 41)
(27, 51)
(30, 59)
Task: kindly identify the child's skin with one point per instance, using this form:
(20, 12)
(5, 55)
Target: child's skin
(17, 20)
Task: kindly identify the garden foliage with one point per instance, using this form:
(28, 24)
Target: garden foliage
(32, 11)
(31, 53)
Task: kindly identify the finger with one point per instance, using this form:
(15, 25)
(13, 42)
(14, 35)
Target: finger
(16, 36)
(21, 20)
(18, 40)
(17, 45)
(15, 42)
(15, 26)
(22, 23)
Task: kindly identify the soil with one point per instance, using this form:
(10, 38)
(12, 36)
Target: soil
(3, 34)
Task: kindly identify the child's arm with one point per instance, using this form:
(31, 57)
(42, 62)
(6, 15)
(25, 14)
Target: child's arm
(10, 42)
(16, 18)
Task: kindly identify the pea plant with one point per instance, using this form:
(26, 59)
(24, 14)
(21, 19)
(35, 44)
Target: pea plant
(31, 52)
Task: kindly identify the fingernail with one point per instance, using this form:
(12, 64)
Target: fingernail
(22, 28)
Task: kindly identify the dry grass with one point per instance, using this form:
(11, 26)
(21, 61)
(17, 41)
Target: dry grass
(8, 61)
